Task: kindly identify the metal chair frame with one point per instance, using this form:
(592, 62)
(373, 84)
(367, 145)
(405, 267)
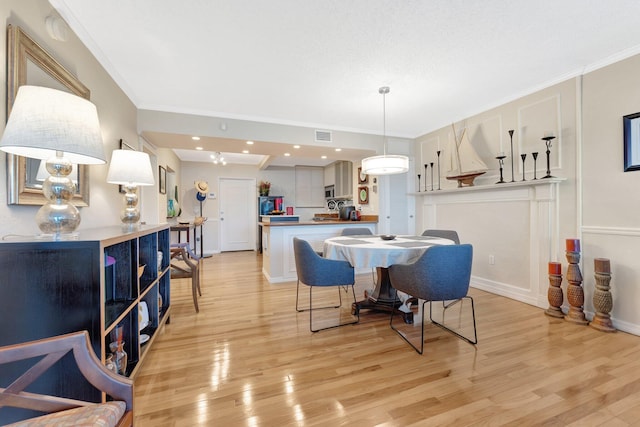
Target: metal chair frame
(316, 258)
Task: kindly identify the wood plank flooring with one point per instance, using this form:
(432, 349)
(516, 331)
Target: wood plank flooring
(249, 359)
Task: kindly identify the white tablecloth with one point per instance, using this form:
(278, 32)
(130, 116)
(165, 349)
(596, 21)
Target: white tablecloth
(372, 251)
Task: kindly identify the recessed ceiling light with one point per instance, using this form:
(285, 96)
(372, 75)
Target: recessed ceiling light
(287, 154)
(338, 149)
(296, 146)
(198, 148)
(195, 138)
(245, 151)
(323, 157)
(249, 142)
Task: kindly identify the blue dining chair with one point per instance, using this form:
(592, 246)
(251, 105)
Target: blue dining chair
(356, 231)
(441, 273)
(316, 271)
(445, 234)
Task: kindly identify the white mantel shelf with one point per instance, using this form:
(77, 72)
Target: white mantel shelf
(491, 187)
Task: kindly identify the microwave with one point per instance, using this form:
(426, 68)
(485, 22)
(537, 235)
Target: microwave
(329, 192)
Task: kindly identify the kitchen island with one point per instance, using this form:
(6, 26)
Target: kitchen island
(278, 261)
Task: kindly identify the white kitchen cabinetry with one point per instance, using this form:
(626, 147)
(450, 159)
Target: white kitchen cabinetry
(330, 175)
(344, 179)
(309, 187)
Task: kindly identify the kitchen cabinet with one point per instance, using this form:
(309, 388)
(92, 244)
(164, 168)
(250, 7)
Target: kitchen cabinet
(344, 179)
(330, 175)
(94, 282)
(340, 175)
(309, 187)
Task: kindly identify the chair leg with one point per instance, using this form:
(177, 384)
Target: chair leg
(403, 336)
(353, 292)
(299, 310)
(194, 289)
(473, 315)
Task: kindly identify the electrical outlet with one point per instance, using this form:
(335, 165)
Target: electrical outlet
(492, 260)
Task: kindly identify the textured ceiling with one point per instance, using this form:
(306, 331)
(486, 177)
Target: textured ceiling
(320, 63)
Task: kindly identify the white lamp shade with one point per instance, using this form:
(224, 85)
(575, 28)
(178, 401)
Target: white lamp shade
(43, 121)
(385, 165)
(130, 167)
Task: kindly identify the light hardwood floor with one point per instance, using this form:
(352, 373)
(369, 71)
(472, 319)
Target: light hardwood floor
(248, 359)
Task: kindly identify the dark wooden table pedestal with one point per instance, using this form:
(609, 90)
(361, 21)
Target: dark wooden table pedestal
(383, 297)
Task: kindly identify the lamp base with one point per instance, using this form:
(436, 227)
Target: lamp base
(58, 215)
(130, 214)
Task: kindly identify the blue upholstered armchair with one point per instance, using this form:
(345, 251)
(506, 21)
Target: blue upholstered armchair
(441, 273)
(315, 271)
(445, 234)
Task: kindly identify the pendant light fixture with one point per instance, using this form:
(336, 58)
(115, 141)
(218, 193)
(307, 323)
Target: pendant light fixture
(387, 164)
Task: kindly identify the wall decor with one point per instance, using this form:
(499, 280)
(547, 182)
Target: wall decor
(363, 178)
(28, 63)
(631, 132)
(162, 180)
(363, 195)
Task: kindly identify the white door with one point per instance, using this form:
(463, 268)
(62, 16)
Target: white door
(238, 216)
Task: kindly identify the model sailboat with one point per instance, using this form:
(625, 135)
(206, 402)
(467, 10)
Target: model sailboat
(464, 163)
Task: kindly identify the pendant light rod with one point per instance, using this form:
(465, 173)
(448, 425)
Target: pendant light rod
(384, 90)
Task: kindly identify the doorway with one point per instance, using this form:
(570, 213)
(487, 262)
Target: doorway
(238, 216)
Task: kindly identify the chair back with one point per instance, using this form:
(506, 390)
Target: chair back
(313, 270)
(445, 234)
(441, 273)
(355, 231)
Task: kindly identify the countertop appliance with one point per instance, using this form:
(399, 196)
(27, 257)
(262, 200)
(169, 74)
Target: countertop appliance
(345, 212)
(329, 191)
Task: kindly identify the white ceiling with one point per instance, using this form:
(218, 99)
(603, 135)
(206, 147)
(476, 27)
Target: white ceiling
(320, 63)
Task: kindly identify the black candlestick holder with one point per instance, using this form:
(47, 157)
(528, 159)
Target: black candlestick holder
(511, 137)
(431, 164)
(438, 153)
(523, 157)
(501, 163)
(547, 140)
(425, 176)
(418, 182)
(535, 157)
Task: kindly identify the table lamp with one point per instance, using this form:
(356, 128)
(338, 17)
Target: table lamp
(64, 129)
(130, 169)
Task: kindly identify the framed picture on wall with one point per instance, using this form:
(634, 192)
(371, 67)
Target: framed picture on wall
(631, 132)
(162, 180)
(363, 178)
(363, 195)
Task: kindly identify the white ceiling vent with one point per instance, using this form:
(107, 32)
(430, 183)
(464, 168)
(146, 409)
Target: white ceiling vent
(323, 135)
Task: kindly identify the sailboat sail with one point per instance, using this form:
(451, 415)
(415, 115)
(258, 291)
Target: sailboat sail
(464, 162)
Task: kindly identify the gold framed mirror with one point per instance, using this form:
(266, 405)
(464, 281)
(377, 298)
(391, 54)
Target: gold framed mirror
(28, 63)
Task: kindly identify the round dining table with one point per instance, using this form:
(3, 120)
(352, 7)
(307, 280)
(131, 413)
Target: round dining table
(373, 251)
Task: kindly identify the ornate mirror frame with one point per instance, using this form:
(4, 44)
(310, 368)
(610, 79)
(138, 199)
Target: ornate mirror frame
(23, 54)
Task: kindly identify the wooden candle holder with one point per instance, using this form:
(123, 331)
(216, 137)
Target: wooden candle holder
(554, 294)
(575, 293)
(602, 299)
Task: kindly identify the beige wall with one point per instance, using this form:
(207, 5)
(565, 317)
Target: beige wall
(610, 196)
(116, 112)
(598, 202)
